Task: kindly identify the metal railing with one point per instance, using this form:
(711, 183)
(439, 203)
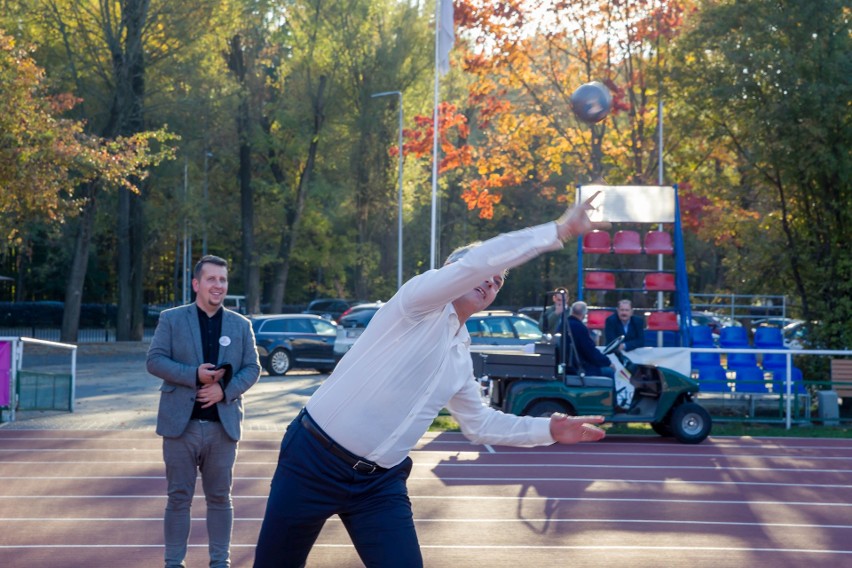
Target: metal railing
(741, 306)
(90, 335)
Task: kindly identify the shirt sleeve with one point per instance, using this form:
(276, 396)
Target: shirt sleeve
(484, 425)
(433, 289)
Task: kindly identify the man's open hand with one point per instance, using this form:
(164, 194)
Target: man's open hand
(573, 429)
(575, 221)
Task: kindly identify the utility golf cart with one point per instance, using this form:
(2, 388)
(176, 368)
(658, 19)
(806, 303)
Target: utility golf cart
(541, 383)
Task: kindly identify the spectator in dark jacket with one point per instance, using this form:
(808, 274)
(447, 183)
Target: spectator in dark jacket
(592, 360)
(623, 322)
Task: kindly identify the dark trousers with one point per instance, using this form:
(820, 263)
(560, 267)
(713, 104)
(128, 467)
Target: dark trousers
(311, 484)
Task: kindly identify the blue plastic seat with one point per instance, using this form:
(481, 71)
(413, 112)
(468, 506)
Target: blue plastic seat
(705, 359)
(712, 378)
(670, 338)
(775, 361)
(702, 336)
(768, 338)
(740, 360)
(734, 336)
(779, 380)
(750, 379)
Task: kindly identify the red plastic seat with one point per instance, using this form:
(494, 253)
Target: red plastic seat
(662, 321)
(660, 281)
(626, 242)
(599, 280)
(597, 319)
(658, 242)
(597, 242)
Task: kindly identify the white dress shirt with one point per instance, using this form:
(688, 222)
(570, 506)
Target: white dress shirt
(414, 359)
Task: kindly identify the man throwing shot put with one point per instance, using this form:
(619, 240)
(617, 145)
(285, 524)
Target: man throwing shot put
(347, 451)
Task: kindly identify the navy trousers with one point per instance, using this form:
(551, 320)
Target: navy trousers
(311, 484)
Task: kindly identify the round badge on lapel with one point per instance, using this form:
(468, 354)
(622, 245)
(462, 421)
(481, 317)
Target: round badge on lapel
(224, 341)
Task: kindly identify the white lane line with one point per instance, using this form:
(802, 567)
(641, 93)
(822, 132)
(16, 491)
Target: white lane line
(501, 479)
(596, 480)
(489, 547)
(336, 519)
(275, 451)
(470, 463)
(716, 442)
(482, 498)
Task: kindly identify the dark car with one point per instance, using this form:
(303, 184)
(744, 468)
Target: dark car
(502, 328)
(294, 341)
(352, 324)
(328, 308)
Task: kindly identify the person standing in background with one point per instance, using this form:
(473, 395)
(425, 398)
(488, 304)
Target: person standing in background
(553, 314)
(207, 358)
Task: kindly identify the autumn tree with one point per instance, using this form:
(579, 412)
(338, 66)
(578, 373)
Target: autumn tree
(45, 159)
(771, 80)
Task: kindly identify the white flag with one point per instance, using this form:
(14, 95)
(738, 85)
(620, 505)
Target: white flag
(446, 36)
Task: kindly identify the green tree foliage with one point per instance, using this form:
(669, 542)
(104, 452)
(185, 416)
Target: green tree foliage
(326, 144)
(772, 81)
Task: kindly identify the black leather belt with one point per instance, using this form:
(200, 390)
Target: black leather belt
(358, 464)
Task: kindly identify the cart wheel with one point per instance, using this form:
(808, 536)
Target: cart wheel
(545, 408)
(690, 423)
(664, 429)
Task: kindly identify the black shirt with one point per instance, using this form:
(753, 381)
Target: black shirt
(211, 330)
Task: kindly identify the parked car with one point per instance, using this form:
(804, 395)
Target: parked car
(502, 328)
(351, 325)
(328, 308)
(236, 303)
(532, 312)
(797, 334)
(294, 341)
(778, 322)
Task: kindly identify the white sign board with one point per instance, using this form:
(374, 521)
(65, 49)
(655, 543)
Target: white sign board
(630, 203)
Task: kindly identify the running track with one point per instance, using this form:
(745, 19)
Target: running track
(90, 498)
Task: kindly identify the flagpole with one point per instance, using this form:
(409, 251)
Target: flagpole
(435, 134)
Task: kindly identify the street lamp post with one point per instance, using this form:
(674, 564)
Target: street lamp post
(399, 197)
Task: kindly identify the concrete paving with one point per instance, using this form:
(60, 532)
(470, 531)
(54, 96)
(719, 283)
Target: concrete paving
(115, 392)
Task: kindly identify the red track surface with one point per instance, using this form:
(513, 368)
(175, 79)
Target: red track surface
(95, 499)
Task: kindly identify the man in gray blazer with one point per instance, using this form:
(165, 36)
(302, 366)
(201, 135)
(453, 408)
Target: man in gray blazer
(207, 358)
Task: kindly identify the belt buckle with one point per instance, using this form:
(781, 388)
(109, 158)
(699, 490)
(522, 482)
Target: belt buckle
(364, 467)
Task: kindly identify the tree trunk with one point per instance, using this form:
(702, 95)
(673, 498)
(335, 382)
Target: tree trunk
(288, 236)
(249, 270)
(129, 102)
(79, 263)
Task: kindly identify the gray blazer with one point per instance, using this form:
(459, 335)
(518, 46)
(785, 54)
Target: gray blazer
(176, 353)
